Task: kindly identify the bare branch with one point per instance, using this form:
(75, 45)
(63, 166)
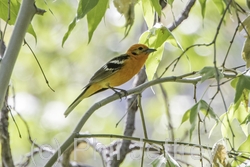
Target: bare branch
(138, 139)
(183, 16)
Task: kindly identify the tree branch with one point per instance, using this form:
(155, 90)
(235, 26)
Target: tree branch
(183, 16)
(6, 155)
(130, 121)
(136, 90)
(139, 139)
(25, 15)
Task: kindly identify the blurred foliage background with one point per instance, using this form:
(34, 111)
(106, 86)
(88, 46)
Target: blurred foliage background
(70, 67)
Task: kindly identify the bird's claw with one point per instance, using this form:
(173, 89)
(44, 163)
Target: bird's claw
(119, 93)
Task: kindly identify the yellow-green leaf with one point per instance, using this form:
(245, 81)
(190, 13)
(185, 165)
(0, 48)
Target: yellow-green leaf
(155, 38)
(153, 62)
(246, 52)
(156, 6)
(170, 2)
(245, 24)
(209, 72)
(244, 149)
(236, 118)
(95, 16)
(203, 7)
(192, 113)
(14, 8)
(248, 3)
(84, 6)
(243, 83)
(220, 5)
(148, 12)
(234, 82)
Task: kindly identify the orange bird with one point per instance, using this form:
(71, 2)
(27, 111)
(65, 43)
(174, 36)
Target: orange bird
(114, 73)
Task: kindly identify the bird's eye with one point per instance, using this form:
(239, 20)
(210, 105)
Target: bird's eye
(140, 48)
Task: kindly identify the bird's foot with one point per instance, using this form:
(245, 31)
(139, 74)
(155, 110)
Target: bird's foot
(116, 90)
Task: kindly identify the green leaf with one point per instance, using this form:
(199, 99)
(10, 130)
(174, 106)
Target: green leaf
(167, 161)
(246, 52)
(153, 62)
(193, 118)
(207, 110)
(156, 6)
(186, 116)
(246, 23)
(84, 6)
(240, 115)
(220, 5)
(148, 12)
(192, 113)
(170, 2)
(216, 124)
(70, 28)
(155, 38)
(159, 161)
(246, 120)
(244, 147)
(248, 3)
(234, 82)
(235, 118)
(95, 16)
(14, 8)
(243, 83)
(203, 7)
(209, 72)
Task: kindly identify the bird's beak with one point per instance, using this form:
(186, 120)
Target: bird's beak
(150, 50)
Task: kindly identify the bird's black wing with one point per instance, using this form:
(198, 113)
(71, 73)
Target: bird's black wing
(109, 68)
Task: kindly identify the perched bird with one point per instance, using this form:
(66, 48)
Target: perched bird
(114, 73)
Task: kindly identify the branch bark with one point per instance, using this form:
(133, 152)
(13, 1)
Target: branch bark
(6, 156)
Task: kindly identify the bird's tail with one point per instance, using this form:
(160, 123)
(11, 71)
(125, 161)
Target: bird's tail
(89, 91)
(75, 102)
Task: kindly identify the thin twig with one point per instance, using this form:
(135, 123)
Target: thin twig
(231, 43)
(39, 65)
(169, 117)
(143, 125)
(199, 138)
(139, 139)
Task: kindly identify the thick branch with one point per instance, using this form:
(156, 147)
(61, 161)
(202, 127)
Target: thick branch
(25, 15)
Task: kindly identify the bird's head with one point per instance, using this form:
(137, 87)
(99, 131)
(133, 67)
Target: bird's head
(139, 49)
